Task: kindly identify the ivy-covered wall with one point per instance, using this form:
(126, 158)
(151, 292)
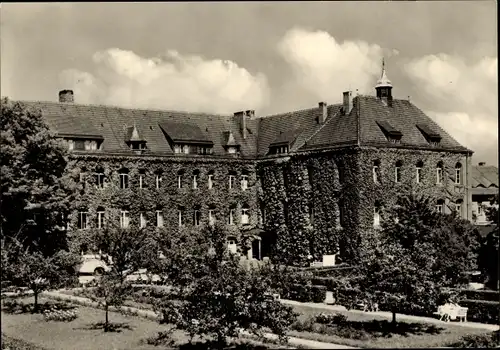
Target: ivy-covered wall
(168, 198)
(312, 203)
(304, 194)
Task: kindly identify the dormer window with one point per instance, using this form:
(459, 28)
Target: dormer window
(82, 145)
(433, 137)
(134, 140)
(232, 149)
(230, 144)
(391, 134)
(278, 148)
(186, 138)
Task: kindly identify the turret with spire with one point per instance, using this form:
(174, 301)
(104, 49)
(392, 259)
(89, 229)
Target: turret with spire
(384, 86)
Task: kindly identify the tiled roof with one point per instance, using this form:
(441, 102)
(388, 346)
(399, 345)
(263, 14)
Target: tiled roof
(112, 123)
(179, 131)
(484, 176)
(300, 129)
(403, 116)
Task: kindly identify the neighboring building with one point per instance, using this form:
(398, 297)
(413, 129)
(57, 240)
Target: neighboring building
(326, 172)
(484, 183)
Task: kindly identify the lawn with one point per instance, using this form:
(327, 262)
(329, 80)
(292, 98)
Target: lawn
(31, 331)
(367, 330)
(371, 331)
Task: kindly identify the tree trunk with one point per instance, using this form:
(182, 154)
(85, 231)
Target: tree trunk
(106, 323)
(35, 306)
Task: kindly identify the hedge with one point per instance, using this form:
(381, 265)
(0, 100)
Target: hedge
(487, 295)
(482, 311)
(305, 293)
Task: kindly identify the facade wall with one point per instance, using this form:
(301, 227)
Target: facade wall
(313, 203)
(168, 198)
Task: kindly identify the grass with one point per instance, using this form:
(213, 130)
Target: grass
(367, 330)
(371, 331)
(27, 331)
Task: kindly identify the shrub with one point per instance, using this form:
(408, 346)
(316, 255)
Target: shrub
(331, 319)
(305, 293)
(477, 341)
(488, 295)
(60, 315)
(482, 311)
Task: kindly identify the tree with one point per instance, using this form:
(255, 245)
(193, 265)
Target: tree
(125, 251)
(488, 256)
(417, 252)
(36, 189)
(215, 297)
(36, 192)
(26, 266)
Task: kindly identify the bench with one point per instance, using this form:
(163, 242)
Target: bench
(449, 312)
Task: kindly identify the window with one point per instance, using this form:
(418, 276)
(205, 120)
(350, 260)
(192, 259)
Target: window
(439, 206)
(142, 220)
(124, 219)
(100, 218)
(397, 172)
(142, 176)
(231, 181)
(210, 181)
(71, 145)
(123, 180)
(376, 171)
(244, 182)
(231, 217)
(479, 209)
(90, 145)
(79, 145)
(195, 181)
(82, 177)
(419, 172)
(211, 217)
(261, 216)
(180, 216)
(232, 149)
(458, 173)
(177, 149)
(341, 220)
(341, 174)
(185, 149)
(439, 173)
(82, 220)
(99, 177)
(179, 181)
(159, 218)
(376, 215)
(458, 208)
(244, 216)
(204, 150)
(196, 217)
(158, 180)
(311, 213)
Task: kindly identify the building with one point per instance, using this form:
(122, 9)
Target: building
(484, 183)
(301, 183)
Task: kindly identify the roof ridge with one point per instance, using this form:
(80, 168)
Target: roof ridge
(125, 108)
(295, 111)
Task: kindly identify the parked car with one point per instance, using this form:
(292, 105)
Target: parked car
(93, 264)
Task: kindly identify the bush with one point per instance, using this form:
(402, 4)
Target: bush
(305, 293)
(60, 315)
(334, 271)
(488, 295)
(331, 319)
(477, 341)
(482, 311)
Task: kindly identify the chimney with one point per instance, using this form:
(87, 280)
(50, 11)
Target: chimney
(241, 117)
(66, 96)
(324, 112)
(347, 105)
(482, 163)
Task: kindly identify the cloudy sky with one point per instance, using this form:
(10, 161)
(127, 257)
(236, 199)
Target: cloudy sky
(271, 57)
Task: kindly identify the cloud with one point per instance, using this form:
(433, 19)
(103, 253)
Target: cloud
(326, 68)
(169, 81)
(462, 97)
